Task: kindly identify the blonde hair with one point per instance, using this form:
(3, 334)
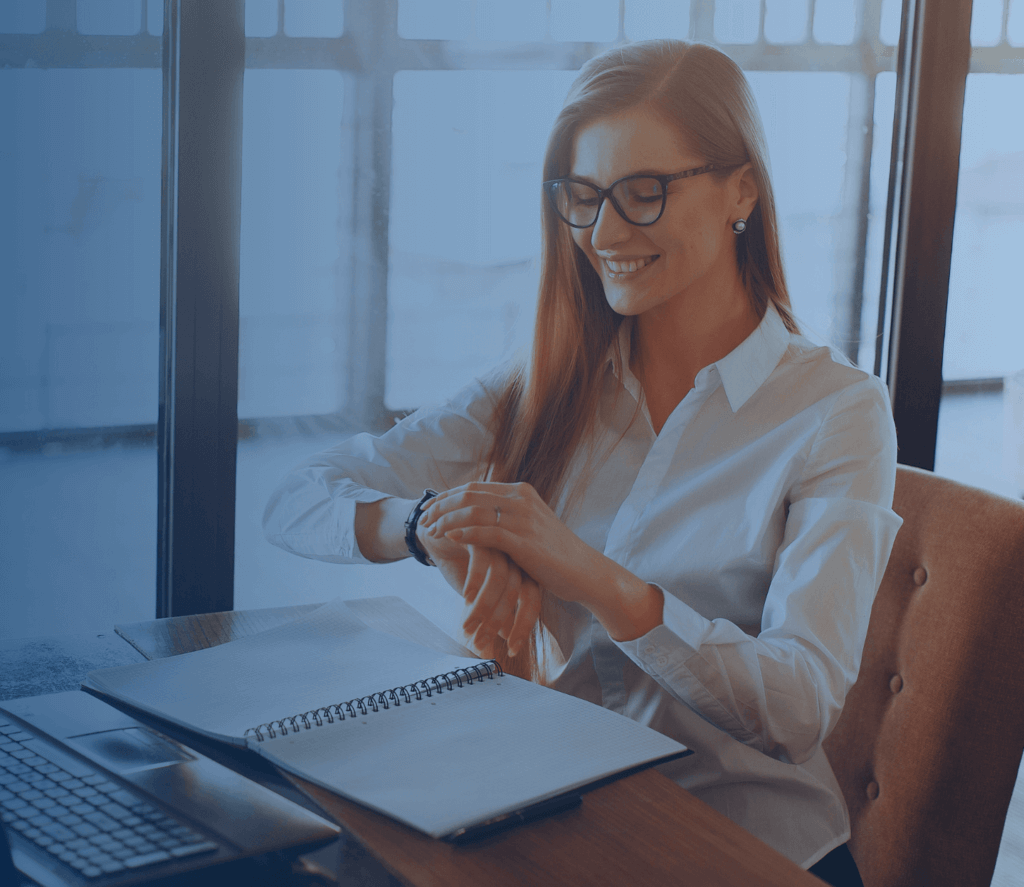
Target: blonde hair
(546, 411)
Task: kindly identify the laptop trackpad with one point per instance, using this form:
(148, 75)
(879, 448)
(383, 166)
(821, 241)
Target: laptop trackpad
(127, 750)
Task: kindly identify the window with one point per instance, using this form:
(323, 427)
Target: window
(80, 105)
(981, 419)
(392, 209)
(357, 254)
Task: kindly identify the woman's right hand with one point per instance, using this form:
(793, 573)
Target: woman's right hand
(502, 600)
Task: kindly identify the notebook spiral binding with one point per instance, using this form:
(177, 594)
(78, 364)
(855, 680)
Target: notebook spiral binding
(376, 701)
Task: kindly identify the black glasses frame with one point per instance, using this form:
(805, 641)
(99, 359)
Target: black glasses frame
(551, 186)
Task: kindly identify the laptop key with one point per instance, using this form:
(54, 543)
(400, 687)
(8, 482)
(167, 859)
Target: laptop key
(134, 862)
(193, 849)
(113, 865)
(59, 832)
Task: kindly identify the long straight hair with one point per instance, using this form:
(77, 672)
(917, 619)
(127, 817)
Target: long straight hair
(548, 407)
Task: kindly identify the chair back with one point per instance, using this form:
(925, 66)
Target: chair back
(930, 739)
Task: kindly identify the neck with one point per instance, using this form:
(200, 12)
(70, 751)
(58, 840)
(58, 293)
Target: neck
(677, 340)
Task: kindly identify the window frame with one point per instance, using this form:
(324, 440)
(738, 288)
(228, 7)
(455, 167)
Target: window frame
(205, 54)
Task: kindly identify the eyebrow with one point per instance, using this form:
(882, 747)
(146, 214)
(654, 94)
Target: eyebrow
(639, 172)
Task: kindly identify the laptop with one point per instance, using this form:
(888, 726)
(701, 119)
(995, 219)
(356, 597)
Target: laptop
(92, 796)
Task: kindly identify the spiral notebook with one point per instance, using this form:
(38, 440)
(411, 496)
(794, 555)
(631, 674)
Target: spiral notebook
(436, 741)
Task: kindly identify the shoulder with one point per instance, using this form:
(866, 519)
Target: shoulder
(810, 374)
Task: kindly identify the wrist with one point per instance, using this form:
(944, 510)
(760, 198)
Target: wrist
(630, 607)
(380, 529)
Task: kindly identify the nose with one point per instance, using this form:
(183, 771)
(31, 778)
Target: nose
(610, 229)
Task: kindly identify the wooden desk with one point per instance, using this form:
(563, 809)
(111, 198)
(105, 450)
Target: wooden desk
(643, 829)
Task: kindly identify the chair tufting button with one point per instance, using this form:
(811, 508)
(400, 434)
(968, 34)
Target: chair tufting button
(920, 575)
(896, 683)
(872, 790)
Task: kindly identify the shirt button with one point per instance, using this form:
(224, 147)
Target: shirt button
(661, 660)
(649, 649)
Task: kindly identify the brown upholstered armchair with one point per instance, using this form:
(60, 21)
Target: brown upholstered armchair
(929, 742)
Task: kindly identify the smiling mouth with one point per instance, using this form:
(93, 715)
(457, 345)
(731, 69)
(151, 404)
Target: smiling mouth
(622, 270)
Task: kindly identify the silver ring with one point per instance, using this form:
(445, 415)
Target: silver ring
(497, 515)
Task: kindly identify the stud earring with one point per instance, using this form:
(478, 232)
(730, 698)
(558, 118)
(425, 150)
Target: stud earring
(739, 226)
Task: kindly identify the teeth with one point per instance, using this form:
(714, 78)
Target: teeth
(625, 267)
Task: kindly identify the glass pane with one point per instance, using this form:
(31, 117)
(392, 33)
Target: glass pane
(22, 17)
(314, 18)
(435, 19)
(811, 123)
(79, 343)
(878, 190)
(525, 20)
(1015, 23)
(467, 148)
(835, 21)
(737, 21)
(295, 305)
(889, 26)
(155, 17)
(595, 21)
(981, 426)
(785, 21)
(261, 18)
(647, 19)
(986, 22)
(109, 16)
(296, 194)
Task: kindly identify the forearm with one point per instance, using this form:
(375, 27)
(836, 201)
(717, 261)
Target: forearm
(380, 529)
(624, 604)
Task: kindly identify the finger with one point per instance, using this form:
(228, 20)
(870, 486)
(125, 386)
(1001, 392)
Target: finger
(527, 614)
(495, 513)
(502, 617)
(498, 537)
(459, 499)
(476, 573)
(490, 593)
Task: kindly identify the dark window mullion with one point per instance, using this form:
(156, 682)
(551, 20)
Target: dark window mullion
(204, 62)
(937, 78)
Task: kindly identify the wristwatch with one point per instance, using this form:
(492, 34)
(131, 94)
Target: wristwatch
(410, 529)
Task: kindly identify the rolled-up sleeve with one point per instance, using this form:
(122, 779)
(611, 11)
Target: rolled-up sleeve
(782, 690)
(312, 511)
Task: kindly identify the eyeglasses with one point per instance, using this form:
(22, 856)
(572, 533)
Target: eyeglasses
(640, 200)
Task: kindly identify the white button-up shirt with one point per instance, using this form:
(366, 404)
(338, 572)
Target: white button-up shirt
(763, 511)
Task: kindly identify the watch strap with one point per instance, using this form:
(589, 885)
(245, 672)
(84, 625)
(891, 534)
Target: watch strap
(410, 529)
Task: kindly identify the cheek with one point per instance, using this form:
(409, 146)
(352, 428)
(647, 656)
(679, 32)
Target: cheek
(582, 240)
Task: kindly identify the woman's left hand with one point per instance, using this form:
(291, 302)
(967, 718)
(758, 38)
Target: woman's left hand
(514, 519)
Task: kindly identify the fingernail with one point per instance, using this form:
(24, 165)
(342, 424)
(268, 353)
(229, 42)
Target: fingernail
(454, 535)
(514, 650)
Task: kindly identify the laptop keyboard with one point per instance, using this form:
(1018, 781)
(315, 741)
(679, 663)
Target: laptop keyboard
(75, 813)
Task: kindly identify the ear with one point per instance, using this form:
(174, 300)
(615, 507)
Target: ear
(743, 192)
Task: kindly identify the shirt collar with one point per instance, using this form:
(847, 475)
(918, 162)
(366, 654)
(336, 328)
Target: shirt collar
(748, 366)
(742, 371)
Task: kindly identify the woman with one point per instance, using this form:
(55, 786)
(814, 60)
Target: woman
(693, 499)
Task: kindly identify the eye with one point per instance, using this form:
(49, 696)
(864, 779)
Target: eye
(581, 195)
(641, 190)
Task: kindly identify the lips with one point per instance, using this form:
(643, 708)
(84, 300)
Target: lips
(624, 267)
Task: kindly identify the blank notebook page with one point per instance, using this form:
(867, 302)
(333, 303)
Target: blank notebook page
(325, 657)
(468, 754)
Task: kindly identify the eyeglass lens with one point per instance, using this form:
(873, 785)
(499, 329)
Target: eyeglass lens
(639, 198)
